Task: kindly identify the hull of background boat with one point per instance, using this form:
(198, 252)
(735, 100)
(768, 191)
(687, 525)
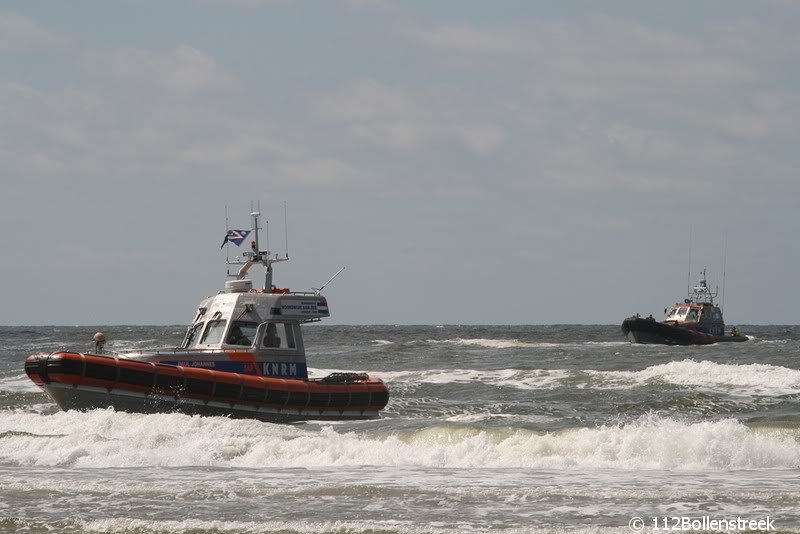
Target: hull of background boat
(647, 331)
(86, 381)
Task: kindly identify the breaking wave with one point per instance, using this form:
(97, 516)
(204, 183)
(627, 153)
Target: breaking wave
(742, 379)
(515, 343)
(487, 343)
(18, 384)
(104, 438)
(515, 378)
(200, 526)
(754, 379)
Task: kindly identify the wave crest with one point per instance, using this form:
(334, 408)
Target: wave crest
(103, 438)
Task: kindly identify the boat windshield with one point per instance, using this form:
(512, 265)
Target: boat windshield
(692, 315)
(242, 333)
(193, 335)
(213, 333)
(682, 312)
(278, 336)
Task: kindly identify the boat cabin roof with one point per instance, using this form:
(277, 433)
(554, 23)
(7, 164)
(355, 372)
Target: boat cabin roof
(258, 306)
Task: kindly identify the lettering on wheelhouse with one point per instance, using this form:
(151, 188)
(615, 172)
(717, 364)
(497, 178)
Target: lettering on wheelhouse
(276, 369)
(279, 369)
(303, 308)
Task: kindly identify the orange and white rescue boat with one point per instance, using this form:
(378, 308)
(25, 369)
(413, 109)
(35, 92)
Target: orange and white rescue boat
(242, 356)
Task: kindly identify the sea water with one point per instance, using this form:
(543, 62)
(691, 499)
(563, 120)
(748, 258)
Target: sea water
(514, 428)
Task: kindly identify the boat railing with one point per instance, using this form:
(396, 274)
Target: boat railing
(164, 350)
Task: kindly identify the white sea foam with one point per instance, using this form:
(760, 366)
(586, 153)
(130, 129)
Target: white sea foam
(103, 438)
(18, 384)
(515, 378)
(741, 379)
(382, 342)
(515, 343)
(199, 526)
(188, 526)
(769, 341)
(488, 343)
(750, 379)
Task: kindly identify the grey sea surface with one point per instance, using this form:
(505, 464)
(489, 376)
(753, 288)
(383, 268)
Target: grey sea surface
(559, 428)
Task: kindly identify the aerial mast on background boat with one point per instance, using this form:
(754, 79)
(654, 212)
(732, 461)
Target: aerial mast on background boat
(689, 271)
(724, 261)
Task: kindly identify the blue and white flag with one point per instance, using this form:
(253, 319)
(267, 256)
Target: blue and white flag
(236, 237)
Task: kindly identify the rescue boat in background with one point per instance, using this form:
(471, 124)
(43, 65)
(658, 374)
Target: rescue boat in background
(695, 321)
(242, 356)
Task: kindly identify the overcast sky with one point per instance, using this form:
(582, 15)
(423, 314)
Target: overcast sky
(468, 161)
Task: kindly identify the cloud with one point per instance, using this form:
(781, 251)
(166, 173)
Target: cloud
(245, 3)
(363, 99)
(328, 173)
(483, 139)
(382, 5)
(181, 70)
(405, 119)
(611, 104)
(600, 105)
(18, 32)
(467, 38)
(595, 60)
(140, 114)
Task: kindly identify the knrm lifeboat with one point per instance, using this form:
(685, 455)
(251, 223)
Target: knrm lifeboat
(242, 356)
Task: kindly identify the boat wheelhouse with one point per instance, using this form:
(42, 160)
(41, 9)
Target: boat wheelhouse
(698, 312)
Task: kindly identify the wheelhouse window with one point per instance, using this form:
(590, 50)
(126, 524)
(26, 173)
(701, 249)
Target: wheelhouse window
(278, 336)
(242, 333)
(672, 313)
(193, 335)
(682, 312)
(691, 315)
(213, 333)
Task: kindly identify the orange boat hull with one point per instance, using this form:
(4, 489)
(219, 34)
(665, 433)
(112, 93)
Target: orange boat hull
(88, 381)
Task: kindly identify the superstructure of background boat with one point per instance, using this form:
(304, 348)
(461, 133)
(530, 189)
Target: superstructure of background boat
(695, 321)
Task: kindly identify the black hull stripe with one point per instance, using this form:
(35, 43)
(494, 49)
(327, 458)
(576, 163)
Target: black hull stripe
(147, 378)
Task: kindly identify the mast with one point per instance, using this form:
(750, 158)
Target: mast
(701, 294)
(254, 226)
(256, 255)
(689, 270)
(724, 261)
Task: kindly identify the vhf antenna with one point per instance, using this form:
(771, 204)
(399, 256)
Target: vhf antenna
(266, 226)
(285, 230)
(319, 290)
(689, 273)
(227, 244)
(724, 261)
